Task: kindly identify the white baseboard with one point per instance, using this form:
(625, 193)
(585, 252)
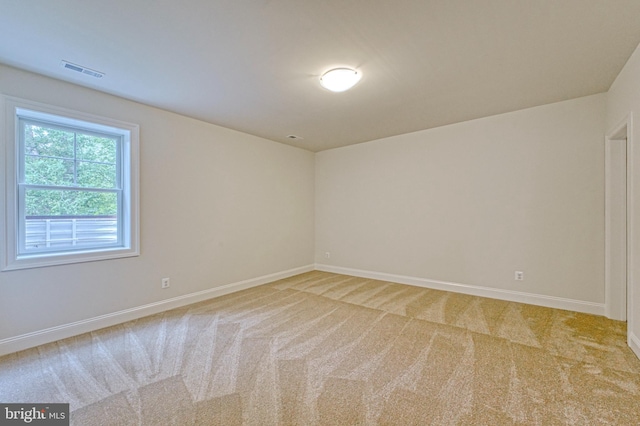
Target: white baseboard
(494, 293)
(634, 343)
(29, 340)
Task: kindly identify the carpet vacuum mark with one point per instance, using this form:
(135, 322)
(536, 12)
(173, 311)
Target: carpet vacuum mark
(323, 349)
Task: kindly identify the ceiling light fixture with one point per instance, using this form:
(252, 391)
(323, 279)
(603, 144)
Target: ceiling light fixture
(340, 79)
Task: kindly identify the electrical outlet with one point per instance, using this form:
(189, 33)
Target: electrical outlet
(327, 255)
(166, 283)
(519, 276)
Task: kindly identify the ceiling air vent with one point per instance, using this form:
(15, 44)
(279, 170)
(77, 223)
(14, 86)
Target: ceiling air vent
(81, 69)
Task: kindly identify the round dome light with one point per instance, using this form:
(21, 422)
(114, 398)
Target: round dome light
(340, 79)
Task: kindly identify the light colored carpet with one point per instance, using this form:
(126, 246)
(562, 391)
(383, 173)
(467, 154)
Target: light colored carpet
(327, 349)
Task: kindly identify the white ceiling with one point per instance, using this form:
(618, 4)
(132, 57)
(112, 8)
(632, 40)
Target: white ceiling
(253, 65)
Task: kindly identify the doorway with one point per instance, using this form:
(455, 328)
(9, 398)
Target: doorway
(618, 223)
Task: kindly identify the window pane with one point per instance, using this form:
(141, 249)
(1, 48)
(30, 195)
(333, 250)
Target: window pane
(96, 175)
(45, 202)
(45, 141)
(97, 148)
(69, 219)
(48, 171)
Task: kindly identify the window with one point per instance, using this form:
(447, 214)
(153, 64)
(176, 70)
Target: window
(71, 186)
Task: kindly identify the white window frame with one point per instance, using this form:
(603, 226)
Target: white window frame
(12, 219)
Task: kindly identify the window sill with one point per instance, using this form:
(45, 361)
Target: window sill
(48, 259)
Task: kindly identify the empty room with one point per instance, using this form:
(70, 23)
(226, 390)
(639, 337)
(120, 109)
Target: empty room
(280, 212)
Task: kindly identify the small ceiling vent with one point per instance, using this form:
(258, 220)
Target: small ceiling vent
(81, 69)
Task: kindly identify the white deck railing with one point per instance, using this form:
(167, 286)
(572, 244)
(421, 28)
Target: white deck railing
(70, 231)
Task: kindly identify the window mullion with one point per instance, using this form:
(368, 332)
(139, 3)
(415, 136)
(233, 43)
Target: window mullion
(119, 157)
(21, 152)
(20, 196)
(75, 158)
(21, 215)
(68, 188)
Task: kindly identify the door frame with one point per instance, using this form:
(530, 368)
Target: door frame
(618, 295)
(617, 289)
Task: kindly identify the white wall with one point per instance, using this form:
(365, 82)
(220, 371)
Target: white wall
(217, 207)
(468, 203)
(471, 203)
(624, 98)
